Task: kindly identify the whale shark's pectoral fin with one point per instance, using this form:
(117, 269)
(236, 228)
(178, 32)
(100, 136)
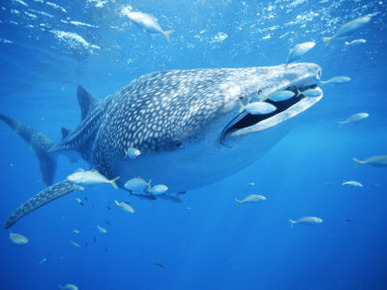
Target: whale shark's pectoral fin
(45, 196)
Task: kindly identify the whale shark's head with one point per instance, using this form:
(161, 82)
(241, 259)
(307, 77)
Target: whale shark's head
(255, 84)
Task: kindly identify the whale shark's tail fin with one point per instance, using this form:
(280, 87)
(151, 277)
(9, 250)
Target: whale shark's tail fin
(45, 196)
(39, 144)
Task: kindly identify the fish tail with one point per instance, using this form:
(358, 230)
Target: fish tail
(113, 182)
(39, 144)
(323, 82)
(242, 106)
(238, 201)
(327, 40)
(341, 124)
(292, 223)
(116, 202)
(167, 33)
(298, 92)
(346, 43)
(358, 162)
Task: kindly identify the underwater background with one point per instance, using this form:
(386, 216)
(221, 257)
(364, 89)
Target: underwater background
(47, 48)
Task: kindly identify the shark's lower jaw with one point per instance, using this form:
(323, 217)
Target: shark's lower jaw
(246, 123)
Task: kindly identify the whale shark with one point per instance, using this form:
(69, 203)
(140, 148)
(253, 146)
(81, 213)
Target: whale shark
(187, 124)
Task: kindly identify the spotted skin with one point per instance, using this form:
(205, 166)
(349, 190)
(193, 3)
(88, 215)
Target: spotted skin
(175, 118)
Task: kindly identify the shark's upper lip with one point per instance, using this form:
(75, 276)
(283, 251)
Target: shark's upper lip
(245, 123)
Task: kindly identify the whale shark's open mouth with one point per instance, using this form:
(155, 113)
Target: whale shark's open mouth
(246, 123)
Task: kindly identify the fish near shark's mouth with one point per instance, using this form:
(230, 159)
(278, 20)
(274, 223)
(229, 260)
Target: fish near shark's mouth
(246, 123)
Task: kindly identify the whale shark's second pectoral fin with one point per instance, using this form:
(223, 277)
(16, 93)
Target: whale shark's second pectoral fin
(45, 196)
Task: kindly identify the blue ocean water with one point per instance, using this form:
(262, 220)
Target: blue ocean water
(47, 48)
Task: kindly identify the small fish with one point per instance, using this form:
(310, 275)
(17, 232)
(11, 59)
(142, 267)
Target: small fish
(132, 153)
(258, 108)
(337, 80)
(42, 261)
(102, 230)
(106, 221)
(311, 93)
(348, 28)
(159, 265)
(94, 239)
(354, 119)
(378, 161)
(250, 183)
(353, 183)
(68, 287)
(146, 21)
(298, 51)
(79, 201)
(251, 198)
(76, 232)
(280, 96)
(90, 178)
(124, 206)
(348, 220)
(356, 42)
(158, 189)
(75, 244)
(137, 184)
(308, 220)
(18, 239)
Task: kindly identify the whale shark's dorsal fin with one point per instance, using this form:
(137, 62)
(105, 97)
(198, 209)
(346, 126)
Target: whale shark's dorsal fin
(65, 132)
(86, 101)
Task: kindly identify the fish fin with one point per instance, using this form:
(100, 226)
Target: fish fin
(292, 223)
(87, 102)
(238, 201)
(113, 182)
(45, 196)
(358, 162)
(327, 40)
(65, 132)
(39, 144)
(167, 33)
(149, 186)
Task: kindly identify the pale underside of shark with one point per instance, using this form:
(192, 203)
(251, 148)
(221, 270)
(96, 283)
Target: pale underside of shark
(186, 123)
